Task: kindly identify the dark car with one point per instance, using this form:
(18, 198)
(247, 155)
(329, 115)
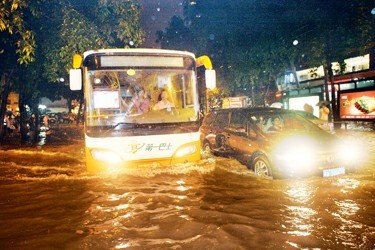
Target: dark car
(275, 142)
(321, 123)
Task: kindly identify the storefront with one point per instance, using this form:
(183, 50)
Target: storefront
(357, 104)
(354, 90)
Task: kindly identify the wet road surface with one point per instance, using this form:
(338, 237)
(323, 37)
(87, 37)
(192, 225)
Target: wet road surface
(48, 201)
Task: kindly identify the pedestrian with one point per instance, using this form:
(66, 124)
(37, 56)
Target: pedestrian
(308, 108)
(323, 115)
(5, 125)
(9, 124)
(323, 112)
(45, 120)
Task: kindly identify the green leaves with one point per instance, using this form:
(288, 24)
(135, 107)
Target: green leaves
(251, 42)
(81, 28)
(12, 22)
(44, 34)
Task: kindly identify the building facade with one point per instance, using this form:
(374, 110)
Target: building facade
(354, 88)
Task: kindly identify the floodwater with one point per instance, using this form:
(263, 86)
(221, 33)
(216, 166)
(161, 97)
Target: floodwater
(47, 200)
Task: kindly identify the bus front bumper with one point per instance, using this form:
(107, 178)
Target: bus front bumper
(105, 161)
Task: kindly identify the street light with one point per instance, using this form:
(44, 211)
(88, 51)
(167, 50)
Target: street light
(295, 42)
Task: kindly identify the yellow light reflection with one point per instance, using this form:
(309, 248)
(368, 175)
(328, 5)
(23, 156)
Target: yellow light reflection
(123, 245)
(346, 213)
(347, 207)
(347, 184)
(116, 197)
(300, 220)
(181, 186)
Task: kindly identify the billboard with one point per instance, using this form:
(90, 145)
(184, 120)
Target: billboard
(357, 105)
(297, 103)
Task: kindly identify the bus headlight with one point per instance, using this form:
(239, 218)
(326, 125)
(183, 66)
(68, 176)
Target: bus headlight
(105, 155)
(187, 150)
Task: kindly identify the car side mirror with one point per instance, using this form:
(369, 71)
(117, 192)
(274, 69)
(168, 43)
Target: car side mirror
(241, 132)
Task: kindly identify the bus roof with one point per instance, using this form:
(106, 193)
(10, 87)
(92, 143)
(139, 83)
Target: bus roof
(138, 50)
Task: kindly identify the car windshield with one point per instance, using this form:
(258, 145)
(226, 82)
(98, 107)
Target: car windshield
(140, 96)
(278, 122)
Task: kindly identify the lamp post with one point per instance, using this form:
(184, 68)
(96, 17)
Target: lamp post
(292, 62)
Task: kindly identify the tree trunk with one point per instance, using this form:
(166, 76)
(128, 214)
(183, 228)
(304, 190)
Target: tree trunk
(5, 81)
(23, 119)
(69, 103)
(36, 125)
(79, 111)
(252, 95)
(334, 105)
(294, 71)
(326, 92)
(328, 81)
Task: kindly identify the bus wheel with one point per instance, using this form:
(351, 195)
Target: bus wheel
(262, 167)
(206, 150)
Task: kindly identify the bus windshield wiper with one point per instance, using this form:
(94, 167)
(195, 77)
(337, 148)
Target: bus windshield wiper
(113, 127)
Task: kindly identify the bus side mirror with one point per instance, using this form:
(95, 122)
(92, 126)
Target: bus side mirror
(75, 79)
(210, 78)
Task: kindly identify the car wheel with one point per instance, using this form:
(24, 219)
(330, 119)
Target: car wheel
(262, 167)
(206, 150)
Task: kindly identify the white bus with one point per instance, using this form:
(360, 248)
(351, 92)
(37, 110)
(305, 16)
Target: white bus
(141, 106)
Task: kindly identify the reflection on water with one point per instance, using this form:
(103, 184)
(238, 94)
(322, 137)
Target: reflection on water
(214, 203)
(141, 209)
(346, 213)
(347, 184)
(299, 217)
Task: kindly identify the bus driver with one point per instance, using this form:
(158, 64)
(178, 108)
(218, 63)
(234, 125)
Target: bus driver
(164, 103)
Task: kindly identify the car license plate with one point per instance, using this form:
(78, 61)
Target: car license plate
(333, 171)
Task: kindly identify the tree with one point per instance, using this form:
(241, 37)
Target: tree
(176, 36)
(59, 28)
(17, 46)
(251, 42)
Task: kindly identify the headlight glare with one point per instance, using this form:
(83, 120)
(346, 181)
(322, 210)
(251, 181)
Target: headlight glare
(105, 155)
(296, 153)
(350, 153)
(187, 150)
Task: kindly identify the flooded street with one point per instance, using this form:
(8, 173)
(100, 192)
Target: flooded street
(47, 200)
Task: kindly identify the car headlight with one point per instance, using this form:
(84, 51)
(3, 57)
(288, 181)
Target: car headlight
(105, 155)
(350, 152)
(187, 150)
(297, 157)
(296, 153)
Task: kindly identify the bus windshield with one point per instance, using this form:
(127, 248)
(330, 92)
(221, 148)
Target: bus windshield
(140, 96)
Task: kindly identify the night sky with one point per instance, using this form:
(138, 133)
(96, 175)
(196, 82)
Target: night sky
(155, 16)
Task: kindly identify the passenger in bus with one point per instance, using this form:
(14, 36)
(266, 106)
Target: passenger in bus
(142, 103)
(164, 103)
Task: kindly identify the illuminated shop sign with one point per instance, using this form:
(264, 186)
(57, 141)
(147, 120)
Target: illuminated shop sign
(141, 61)
(357, 105)
(299, 103)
